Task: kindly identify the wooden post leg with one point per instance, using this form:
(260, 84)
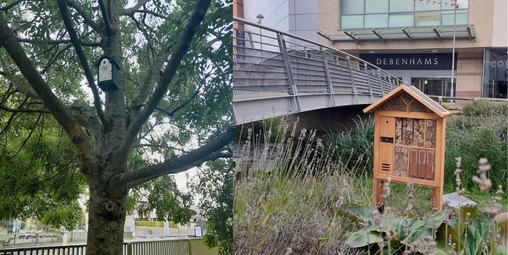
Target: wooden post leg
(437, 198)
(377, 187)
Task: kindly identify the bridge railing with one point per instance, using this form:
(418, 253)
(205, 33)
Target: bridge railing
(269, 62)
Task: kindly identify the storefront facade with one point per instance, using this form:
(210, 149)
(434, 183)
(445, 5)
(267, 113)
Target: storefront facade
(413, 39)
(445, 48)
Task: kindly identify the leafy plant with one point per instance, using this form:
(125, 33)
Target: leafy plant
(394, 232)
(439, 232)
(480, 132)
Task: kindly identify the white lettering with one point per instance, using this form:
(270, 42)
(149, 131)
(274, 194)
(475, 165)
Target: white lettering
(378, 61)
(428, 61)
(412, 61)
(419, 62)
(391, 61)
(404, 61)
(436, 61)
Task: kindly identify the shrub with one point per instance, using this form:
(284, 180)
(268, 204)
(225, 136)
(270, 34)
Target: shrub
(284, 197)
(480, 132)
(485, 107)
(354, 147)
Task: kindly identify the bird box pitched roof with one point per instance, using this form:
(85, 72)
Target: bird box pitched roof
(97, 62)
(414, 93)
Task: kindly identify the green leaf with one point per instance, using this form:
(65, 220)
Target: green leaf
(356, 213)
(476, 234)
(417, 231)
(501, 250)
(435, 219)
(362, 238)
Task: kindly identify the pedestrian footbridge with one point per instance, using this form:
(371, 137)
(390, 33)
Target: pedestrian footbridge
(276, 74)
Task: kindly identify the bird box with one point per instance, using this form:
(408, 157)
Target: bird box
(409, 141)
(107, 73)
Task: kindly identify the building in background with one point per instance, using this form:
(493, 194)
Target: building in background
(299, 17)
(413, 39)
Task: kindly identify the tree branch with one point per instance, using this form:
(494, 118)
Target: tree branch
(83, 15)
(13, 4)
(210, 151)
(18, 88)
(61, 41)
(105, 16)
(176, 57)
(23, 110)
(159, 146)
(54, 58)
(55, 106)
(135, 8)
(171, 113)
(151, 13)
(83, 61)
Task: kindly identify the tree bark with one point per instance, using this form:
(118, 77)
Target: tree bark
(106, 221)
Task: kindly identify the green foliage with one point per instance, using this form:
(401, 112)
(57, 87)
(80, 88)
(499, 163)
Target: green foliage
(215, 187)
(481, 132)
(464, 230)
(69, 216)
(162, 196)
(284, 195)
(405, 233)
(485, 107)
(354, 147)
(151, 223)
(38, 176)
(260, 127)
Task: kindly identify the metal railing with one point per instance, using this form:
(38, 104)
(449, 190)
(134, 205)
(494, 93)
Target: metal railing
(269, 62)
(162, 247)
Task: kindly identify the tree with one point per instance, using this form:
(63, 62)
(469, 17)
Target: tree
(215, 186)
(170, 112)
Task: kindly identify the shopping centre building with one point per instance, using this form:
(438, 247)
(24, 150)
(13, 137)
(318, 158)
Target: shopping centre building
(445, 48)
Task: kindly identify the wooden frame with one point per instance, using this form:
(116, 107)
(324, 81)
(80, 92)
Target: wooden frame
(409, 142)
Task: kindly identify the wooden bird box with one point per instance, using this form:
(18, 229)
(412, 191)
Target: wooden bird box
(409, 141)
(107, 73)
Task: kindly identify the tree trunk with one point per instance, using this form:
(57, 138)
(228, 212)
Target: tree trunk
(105, 221)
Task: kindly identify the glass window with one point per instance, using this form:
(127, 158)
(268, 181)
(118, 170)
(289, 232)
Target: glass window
(376, 6)
(351, 7)
(462, 4)
(351, 21)
(427, 19)
(495, 73)
(401, 6)
(447, 17)
(427, 5)
(401, 20)
(461, 17)
(401, 13)
(376, 20)
(447, 6)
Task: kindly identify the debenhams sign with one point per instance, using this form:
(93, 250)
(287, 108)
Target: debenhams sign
(435, 61)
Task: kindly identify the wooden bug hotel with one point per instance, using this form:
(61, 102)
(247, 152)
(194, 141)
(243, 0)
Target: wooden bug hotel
(409, 141)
